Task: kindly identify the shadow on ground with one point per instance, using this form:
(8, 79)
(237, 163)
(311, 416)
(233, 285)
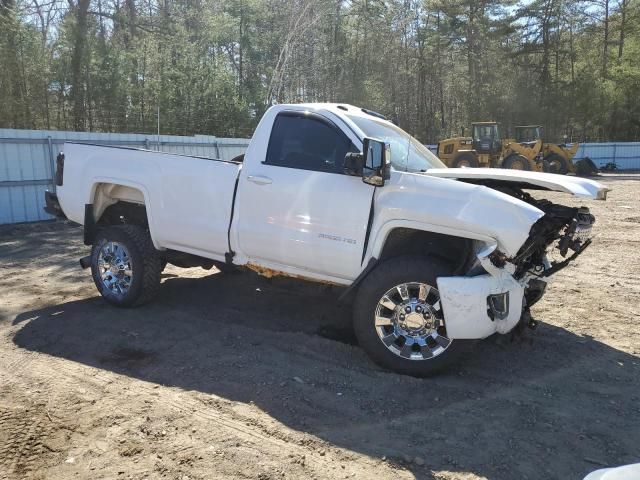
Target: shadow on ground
(555, 405)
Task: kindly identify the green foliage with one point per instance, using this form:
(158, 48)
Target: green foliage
(214, 67)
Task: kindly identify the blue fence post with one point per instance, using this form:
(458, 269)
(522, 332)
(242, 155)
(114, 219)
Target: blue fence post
(52, 162)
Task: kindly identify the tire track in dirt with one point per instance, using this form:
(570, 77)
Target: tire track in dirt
(22, 432)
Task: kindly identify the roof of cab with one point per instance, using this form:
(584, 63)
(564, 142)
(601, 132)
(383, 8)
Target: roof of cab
(341, 108)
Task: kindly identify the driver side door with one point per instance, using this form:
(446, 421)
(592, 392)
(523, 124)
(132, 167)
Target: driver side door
(297, 208)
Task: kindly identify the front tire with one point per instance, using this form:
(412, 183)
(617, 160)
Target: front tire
(557, 164)
(398, 319)
(125, 265)
(465, 160)
(516, 162)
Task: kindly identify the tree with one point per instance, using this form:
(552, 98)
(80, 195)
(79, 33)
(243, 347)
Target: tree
(213, 66)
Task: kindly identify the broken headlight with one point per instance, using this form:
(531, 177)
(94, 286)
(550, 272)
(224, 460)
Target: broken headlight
(577, 232)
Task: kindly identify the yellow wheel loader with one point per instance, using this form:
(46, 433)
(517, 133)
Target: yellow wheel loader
(487, 148)
(558, 158)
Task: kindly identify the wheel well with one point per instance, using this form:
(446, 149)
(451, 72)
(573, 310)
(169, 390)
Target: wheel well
(114, 204)
(455, 251)
(124, 212)
(108, 194)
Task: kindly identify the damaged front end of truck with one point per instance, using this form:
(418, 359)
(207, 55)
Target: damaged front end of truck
(498, 291)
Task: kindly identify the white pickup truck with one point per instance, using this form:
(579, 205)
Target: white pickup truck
(431, 256)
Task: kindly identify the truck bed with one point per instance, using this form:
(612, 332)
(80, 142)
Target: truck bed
(188, 198)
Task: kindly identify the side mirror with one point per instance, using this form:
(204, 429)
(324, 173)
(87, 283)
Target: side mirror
(376, 162)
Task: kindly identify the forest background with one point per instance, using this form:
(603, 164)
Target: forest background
(214, 66)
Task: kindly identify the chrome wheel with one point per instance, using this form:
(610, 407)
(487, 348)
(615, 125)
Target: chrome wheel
(114, 264)
(409, 321)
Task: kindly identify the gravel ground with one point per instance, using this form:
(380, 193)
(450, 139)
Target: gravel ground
(230, 375)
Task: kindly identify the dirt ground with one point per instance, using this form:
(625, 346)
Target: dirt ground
(237, 376)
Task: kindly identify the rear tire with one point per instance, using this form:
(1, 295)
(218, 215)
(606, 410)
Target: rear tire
(557, 164)
(465, 160)
(405, 345)
(516, 162)
(125, 265)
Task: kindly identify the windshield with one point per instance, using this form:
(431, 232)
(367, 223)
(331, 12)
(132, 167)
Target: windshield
(488, 132)
(528, 134)
(407, 153)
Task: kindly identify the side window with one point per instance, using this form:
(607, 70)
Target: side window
(307, 144)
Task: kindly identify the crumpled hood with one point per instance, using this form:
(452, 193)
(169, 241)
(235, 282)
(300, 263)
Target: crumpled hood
(580, 187)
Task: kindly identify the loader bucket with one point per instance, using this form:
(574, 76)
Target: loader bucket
(586, 168)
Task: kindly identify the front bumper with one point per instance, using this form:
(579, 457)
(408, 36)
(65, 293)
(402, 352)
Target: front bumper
(467, 305)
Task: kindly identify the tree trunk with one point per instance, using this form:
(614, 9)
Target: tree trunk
(606, 39)
(472, 94)
(623, 18)
(443, 123)
(10, 79)
(78, 60)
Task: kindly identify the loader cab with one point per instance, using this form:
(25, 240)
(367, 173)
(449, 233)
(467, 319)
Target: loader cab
(487, 137)
(528, 134)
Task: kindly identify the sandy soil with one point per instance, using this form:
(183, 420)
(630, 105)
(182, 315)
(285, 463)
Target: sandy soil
(236, 376)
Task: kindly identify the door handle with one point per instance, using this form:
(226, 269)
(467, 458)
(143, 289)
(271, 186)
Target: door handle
(259, 179)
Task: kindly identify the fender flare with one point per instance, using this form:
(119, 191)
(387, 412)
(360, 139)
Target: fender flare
(89, 218)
